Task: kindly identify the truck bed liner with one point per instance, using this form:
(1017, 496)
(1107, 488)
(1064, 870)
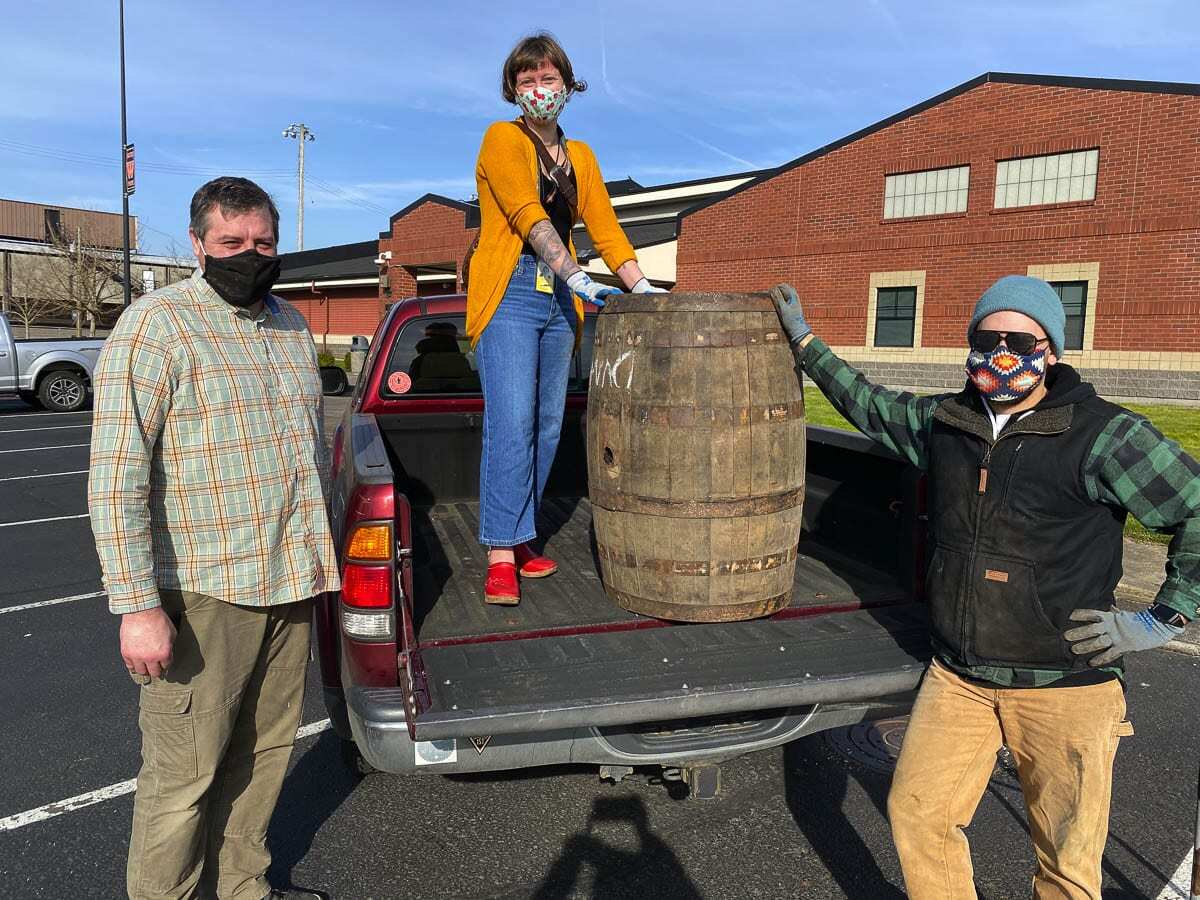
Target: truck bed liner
(450, 565)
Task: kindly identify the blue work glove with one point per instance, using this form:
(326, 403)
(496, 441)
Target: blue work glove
(642, 286)
(588, 290)
(787, 304)
(1117, 633)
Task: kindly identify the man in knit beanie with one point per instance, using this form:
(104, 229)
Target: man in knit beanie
(1031, 476)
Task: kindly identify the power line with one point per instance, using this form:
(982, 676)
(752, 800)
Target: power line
(86, 159)
(73, 156)
(342, 194)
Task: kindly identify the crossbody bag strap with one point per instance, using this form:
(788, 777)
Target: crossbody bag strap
(553, 169)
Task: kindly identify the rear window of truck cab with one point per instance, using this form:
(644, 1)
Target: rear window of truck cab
(432, 355)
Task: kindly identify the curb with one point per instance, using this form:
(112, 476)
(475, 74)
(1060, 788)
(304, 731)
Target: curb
(1187, 648)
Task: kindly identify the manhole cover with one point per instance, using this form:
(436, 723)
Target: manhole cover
(876, 746)
(873, 745)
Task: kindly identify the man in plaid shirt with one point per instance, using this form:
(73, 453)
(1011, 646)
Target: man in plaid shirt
(1031, 476)
(207, 490)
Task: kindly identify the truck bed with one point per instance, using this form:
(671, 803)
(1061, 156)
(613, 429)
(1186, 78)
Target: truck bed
(450, 566)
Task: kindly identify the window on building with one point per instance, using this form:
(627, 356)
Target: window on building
(1038, 180)
(933, 192)
(1074, 300)
(53, 223)
(895, 316)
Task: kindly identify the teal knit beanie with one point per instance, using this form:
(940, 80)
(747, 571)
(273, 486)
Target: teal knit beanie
(1031, 296)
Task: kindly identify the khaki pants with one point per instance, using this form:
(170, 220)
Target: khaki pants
(1063, 741)
(217, 732)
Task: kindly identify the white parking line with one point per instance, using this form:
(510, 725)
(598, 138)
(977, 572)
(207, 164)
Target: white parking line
(79, 801)
(40, 521)
(47, 475)
(1180, 885)
(32, 449)
(43, 415)
(47, 428)
(54, 602)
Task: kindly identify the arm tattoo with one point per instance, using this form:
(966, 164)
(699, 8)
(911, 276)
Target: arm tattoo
(549, 247)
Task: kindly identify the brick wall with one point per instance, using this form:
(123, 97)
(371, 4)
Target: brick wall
(428, 234)
(820, 225)
(351, 311)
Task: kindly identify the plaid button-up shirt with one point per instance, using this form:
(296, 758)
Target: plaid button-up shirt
(1131, 466)
(209, 469)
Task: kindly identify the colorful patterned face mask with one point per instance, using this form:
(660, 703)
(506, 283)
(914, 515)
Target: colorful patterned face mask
(1003, 376)
(543, 104)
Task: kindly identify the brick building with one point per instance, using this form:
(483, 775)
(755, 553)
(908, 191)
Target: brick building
(344, 290)
(337, 290)
(891, 233)
(59, 265)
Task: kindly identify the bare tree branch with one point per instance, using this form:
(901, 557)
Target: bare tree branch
(77, 276)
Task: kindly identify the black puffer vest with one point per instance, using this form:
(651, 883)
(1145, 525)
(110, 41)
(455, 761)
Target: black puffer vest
(1019, 544)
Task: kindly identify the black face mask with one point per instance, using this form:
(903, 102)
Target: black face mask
(242, 279)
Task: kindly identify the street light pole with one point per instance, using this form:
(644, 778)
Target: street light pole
(301, 133)
(124, 177)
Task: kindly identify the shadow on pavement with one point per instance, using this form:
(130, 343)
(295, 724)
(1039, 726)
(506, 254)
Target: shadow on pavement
(650, 869)
(312, 792)
(815, 786)
(1126, 888)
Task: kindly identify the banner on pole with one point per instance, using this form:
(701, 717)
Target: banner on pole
(130, 171)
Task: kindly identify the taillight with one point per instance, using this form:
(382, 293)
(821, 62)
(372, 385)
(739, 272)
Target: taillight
(367, 587)
(367, 625)
(370, 542)
(370, 597)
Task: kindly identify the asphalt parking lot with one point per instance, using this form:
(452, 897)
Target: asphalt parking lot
(801, 821)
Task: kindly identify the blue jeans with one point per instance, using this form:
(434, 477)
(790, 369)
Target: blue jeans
(524, 358)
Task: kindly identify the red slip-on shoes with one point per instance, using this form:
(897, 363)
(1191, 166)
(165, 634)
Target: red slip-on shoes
(532, 565)
(501, 587)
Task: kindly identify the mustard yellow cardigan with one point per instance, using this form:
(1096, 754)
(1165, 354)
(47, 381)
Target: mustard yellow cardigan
(506, 176)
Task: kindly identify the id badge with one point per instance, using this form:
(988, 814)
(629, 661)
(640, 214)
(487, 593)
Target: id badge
(544, 281)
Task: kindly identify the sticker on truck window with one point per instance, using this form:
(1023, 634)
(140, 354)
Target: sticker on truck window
(399, 383)
(431, 753)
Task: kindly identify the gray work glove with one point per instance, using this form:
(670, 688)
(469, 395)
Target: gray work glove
(590, 291)
(787, 304)
(1117, 633)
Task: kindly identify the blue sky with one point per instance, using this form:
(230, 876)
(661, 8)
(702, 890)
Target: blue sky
(398, 94)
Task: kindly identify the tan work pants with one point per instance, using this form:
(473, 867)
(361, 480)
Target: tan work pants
(217, 732)
(1063, 740)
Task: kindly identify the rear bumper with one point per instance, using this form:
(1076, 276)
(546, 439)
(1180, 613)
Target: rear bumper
(387, 746)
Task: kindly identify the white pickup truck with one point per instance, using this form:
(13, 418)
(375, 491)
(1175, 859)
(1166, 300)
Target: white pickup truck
(55, 373)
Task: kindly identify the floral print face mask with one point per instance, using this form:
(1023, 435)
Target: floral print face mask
(543, 104)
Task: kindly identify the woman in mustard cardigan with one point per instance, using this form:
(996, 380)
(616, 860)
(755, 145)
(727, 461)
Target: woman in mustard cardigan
(525, 301)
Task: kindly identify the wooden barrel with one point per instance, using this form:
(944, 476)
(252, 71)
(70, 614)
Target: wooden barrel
(695, 436)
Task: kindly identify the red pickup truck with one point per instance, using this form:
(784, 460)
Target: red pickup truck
(420, 675)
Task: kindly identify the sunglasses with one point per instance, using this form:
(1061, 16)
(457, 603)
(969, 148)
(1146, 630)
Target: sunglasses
(1020, 342)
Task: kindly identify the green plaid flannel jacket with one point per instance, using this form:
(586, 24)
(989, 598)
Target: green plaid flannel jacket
(209, 471)
(1131, 466)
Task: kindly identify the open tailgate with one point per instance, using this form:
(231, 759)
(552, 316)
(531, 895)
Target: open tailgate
(645, 674)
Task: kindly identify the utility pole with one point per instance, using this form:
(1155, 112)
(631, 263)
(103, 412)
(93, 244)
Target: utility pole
(125, 153)
(77, 277)
(301, 133)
